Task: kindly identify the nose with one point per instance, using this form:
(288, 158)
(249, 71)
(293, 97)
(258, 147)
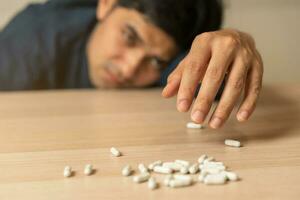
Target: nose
(132, 62)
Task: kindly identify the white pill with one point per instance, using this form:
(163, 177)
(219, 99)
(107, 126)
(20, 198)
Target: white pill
(193, 169)
(172, 165)
(67, 171)
(127, 170)
(183, 163)
(152, 165)
(184, 170)
(163, 170)
(167, 179)
(88, 169)
(142, 168)
(231, 176)
(182, 177)
(141, 178)
(193, 125)
(115, 152)
(152, 184)
(215, 179)
(175, 183)
(232, 143)
(202, 158)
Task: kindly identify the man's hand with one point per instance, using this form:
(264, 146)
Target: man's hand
(228, 54)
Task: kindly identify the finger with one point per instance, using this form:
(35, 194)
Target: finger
(252, 90)
(211, 83)
(174, 80)
(194, 70)
(232, 91)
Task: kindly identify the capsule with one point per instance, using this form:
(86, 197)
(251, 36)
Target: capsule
(141, 178)
(127, 170)
(182, 177)
(152, 165)
(115, 152)
(152, 184)
(232, 143)
(215, 179)
(193, 169)
(184, 170)
(67, 171)
(193, 125)
(183, 163)
(172, 165)
(175, 183)
(163, 170)
(88, 170)
(142, 168)
(231, 176)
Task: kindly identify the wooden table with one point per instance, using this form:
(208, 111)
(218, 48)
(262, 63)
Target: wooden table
(41, 132)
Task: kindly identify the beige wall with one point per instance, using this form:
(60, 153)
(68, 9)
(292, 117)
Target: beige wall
(273, 23)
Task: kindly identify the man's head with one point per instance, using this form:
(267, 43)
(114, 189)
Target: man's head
(136, 39)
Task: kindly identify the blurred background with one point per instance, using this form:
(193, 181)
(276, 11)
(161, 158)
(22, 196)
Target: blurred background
(273, 23)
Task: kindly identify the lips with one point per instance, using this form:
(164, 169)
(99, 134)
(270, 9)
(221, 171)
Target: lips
(112, 77)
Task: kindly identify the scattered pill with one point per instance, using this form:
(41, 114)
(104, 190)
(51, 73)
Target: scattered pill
(127, 171)
(115, 152)
(184, 170)
(142, 168)
(232, 143)
(141, 178)
(152, 184)
(163, 170)
(175, 183)
(183, 162)
(172, 165)
(193, 125)
(215, 179)
(193, 169)
(232, 176)
(152, 165)
(182, 177)
(88, 169)
(67, 171)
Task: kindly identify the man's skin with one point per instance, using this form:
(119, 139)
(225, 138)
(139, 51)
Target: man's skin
(127, 50)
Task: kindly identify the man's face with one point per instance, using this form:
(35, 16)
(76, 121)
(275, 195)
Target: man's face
(126, 50)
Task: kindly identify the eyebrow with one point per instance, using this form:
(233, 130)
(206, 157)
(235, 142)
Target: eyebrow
(135, 33)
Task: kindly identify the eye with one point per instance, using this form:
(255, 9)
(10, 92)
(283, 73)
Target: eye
(129, 37)
(157, 64)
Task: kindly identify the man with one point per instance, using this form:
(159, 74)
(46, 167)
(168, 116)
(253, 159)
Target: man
(128, 43)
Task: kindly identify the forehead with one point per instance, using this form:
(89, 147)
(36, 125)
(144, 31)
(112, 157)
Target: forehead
(154, 38)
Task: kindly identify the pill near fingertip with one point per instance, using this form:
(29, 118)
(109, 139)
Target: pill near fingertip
(115, 152)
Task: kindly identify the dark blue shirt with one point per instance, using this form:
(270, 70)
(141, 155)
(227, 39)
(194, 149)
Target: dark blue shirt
(44, 46)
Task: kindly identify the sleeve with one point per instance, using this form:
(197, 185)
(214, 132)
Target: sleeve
(21, 62)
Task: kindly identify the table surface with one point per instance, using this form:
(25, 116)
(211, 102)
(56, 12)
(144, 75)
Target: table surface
(41, 132)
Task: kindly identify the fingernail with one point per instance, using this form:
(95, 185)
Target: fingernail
(243, 116)
(183, 105)
(216, 122)
(198, 116)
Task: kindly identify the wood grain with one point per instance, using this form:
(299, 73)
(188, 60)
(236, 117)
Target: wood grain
(41, 132)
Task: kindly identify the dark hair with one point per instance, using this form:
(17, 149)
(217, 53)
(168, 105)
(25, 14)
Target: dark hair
(181, 19)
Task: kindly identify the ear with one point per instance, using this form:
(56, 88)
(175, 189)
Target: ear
(104, 7)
